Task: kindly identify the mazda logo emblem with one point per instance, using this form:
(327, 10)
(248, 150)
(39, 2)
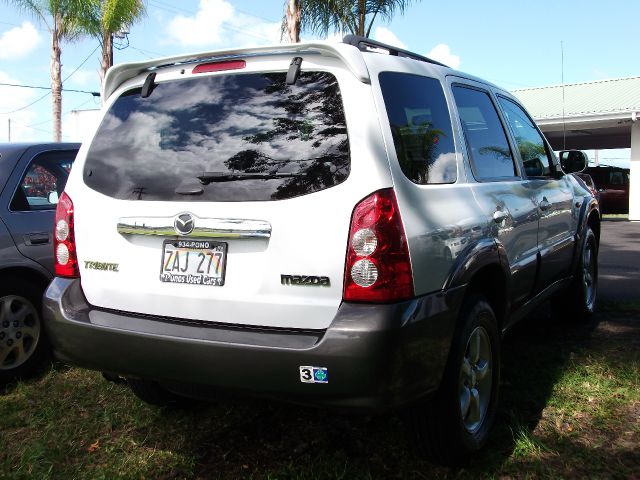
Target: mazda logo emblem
(184, 224)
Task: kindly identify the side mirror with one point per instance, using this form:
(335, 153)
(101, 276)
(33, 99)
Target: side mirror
(52, 198)
(573, 161)
(533, 167)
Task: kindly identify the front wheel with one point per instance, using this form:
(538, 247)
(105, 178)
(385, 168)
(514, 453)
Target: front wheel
(579, 300)
(455, 423)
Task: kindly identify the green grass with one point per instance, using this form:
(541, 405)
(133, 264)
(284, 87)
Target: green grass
(570, 408)
(624, 216)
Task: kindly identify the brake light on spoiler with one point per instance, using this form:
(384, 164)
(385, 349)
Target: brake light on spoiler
(219, 66)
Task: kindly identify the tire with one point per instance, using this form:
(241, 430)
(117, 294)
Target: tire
(155, 394)
(24, 348)
(578, 301)
(455, 423)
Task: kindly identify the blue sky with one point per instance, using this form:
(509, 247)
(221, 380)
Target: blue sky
(513, 44)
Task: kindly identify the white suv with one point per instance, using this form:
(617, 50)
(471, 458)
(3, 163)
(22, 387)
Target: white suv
(341, 224)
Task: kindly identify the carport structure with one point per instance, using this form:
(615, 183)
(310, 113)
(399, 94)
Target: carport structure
(591, 116)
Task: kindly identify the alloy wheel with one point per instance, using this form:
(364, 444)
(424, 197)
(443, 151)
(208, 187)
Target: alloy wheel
(589, 274)
(475, 380)
(19, 331)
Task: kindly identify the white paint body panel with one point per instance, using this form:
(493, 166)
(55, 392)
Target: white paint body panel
(309, 233)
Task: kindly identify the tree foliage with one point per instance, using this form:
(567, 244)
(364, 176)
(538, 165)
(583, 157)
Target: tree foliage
(344, 16)
(104, 18)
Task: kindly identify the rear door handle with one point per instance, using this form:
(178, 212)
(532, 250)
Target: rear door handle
(37, 238)
(544, 204)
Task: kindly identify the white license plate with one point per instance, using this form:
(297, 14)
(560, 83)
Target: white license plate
(195, 262)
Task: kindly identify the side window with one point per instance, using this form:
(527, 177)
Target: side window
(491, 157)
(42, 183)
(531, 145)
(421, 127)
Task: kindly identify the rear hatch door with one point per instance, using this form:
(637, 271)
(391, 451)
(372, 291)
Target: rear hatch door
(219, 198)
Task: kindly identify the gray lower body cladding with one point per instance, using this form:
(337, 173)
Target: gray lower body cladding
(376, 356)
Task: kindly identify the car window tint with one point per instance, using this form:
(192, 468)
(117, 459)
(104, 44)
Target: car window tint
(535, 159)
(243, 137)
(43, 182)
(491, 156)
(421, 127)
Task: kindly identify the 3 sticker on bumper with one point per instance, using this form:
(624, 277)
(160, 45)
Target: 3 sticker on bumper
(314, 374)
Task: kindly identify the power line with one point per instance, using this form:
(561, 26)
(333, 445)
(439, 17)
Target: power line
(184, 10)
(18, 25)
(95, 94)
(147, 52)
(79, 66)
(32, 125)
(27, 106)
(173, 9)
(49, 92)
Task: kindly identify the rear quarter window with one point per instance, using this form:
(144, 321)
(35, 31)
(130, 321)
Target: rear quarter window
(243, 137)
(421, 127)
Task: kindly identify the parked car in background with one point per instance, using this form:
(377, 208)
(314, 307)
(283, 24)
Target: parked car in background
(32, 178)
(323, 223)
(612, 184)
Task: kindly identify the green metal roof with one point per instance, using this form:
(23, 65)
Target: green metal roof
(601, 97)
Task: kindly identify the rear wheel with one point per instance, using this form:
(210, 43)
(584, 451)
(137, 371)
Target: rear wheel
(579, 300)
(23, 345)
(455, 423)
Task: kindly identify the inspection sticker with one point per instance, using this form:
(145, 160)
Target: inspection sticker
(314, 375)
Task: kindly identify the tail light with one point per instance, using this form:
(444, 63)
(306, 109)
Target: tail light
(66, 260)
(378, 268)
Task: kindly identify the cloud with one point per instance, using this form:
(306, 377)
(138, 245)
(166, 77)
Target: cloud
(385, 35)
(12, 98)
(442, 53)
(217, 23)
(19, 41)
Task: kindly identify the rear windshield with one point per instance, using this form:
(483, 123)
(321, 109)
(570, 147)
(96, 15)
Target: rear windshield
(245, 137)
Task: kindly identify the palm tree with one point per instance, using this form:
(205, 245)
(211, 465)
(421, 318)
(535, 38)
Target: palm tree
(107, 17)
(291, 22)
(354, 16)
(62, 20)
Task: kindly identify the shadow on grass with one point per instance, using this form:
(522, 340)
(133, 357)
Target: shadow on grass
(73, 424)
(261, 439)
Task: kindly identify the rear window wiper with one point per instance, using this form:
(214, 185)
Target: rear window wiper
(209, 177)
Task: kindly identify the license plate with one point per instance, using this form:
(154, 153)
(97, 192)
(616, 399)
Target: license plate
(195, 262)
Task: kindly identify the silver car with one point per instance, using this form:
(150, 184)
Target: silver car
(339, 224)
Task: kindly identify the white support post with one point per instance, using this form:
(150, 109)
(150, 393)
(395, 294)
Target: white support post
(634, 187)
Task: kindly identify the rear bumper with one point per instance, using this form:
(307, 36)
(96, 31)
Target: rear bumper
(377, 356)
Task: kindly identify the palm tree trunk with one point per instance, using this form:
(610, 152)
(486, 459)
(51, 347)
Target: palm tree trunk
(107, 54)
(361, 17)
(293, 20)
(56, 79)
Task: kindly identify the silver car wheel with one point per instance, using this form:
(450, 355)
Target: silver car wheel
(475, 380)
(589, 274)
(19, 331)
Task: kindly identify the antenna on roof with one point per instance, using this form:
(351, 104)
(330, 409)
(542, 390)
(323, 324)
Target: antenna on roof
(564, 127)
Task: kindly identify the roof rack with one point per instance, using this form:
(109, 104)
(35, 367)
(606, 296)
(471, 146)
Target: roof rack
(365, 44)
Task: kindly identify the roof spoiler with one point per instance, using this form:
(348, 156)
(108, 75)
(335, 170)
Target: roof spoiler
(350, 56)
